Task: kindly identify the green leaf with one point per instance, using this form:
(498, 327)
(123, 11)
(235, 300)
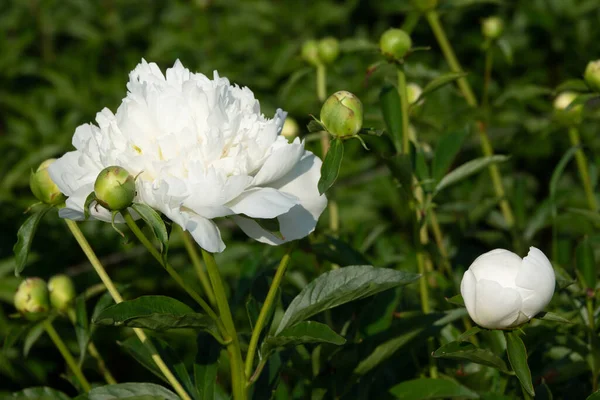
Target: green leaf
(506, 49)
(82, 328)
(341, 286)
(338, 251)
(467, 169)
(456, 300)
(522, 93)
(517, 355)
(154, 312)
(469, 352)
(40, 393)
(575, 85)
(88, 203)
(149, 391)
(548, 316)
(582, 99)
(594, 396)
(446, 151)
(429, 388)
(440, 82)
(593, 216)
(315, 126)
(558, 171)
(25, 237)
(401, 167)
(33, 336)
(391, 110)
(586, 264)
(206, 366)
(385, 351)
(153, 219)
(468, 334)
(331, 165)
(300, 333)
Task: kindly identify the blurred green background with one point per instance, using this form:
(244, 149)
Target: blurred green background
(61, 61)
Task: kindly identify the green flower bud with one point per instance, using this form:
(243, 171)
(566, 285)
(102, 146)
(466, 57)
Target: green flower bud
(290, 129)
(492, 27)
(310, 52)
(31, 298)
(114, 188)
(425, 5)
(413, 91)
(592, 75)
(395, 43)
(342, 114)
(328, 50)
(44, 188)
(570, 116)
(62, 292)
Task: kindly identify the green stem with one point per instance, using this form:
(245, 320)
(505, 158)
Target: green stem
(593, 340)
(170, 270)
(190, 246)
(582, 165)
(264, 313)
(321, 82)
(434, 21)
(110, 286)
(411, 21)
(60, 345)
(108, 377)
(403, 111)
(238, 379)
(487, 76)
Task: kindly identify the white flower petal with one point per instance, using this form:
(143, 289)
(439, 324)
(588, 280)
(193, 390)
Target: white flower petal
(467, 290)
(279, 163)
(263, 203)
(205, 233)
(495, 307)
(501, 266)
(536, 280)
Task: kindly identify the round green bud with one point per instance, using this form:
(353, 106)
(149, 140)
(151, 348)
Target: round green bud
(592, 75)
(572, 115)
(342, 114)
(328, 50)
(31, 298)
(413, 91)
(310, 52)
(395, 44)
(492, 27)
(290, 129)
(425, 5)
(114, 188)
(62, 292)
(43, 187)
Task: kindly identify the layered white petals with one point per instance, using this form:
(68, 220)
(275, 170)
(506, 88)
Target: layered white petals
(501, 290)
(200, 149)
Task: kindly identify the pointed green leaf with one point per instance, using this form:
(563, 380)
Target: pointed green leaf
(33, 336)
(401, 167)
(314, 126)
(385, 351)
(572, 85)
(548, 316)
(302, 332)
(517, 355)
(468, 334)
(582, 99)
(466, 351)
(456, 300)
(594, 396)
(331, 165)
(206, 366)
(146, 391)
(467, 169)
(156, 223)
(154, 312)
(341, 286)
(593, 216)
(440, 82)
(39, 393)
(25, 237)
(429, 388)
(506, 49)
(82, 327)
(446, 151)
(392, 115)
(586, 265)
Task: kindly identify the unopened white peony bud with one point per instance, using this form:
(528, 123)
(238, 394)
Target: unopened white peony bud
(115, 188)
(43, 187)
(290, 129)
(502, 291)
(413, 92)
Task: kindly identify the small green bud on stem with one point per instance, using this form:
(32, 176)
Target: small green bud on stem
(342, 114)
(328, 50)
(413, 92)
(31, 298)
(492, 27)
(395, 44)
(573, 114)
(592, 75)
(310, 52)
(43, 187)
(62, 292)
(290, 129)
(114, 188)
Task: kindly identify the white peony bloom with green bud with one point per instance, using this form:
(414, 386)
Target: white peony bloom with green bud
(201, 149)
(502, 291)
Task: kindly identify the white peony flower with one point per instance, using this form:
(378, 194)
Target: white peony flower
(501, 290)
(202, 150)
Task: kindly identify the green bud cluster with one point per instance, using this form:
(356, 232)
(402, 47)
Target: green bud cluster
(395, 44)
(114, 188)
(592, 75)
(492, 27)
(324, 51)
(43, 187)
(31, 298)
(342, 114)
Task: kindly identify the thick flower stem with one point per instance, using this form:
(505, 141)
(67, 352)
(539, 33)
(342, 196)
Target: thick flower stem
(487, 76)
(190, 246)
(404, 111)
(238, 379)
(170, 270)
(110, 286)
(582, 165)
(64, 351)
(465, 88)
(264, 313)
(108, 377)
